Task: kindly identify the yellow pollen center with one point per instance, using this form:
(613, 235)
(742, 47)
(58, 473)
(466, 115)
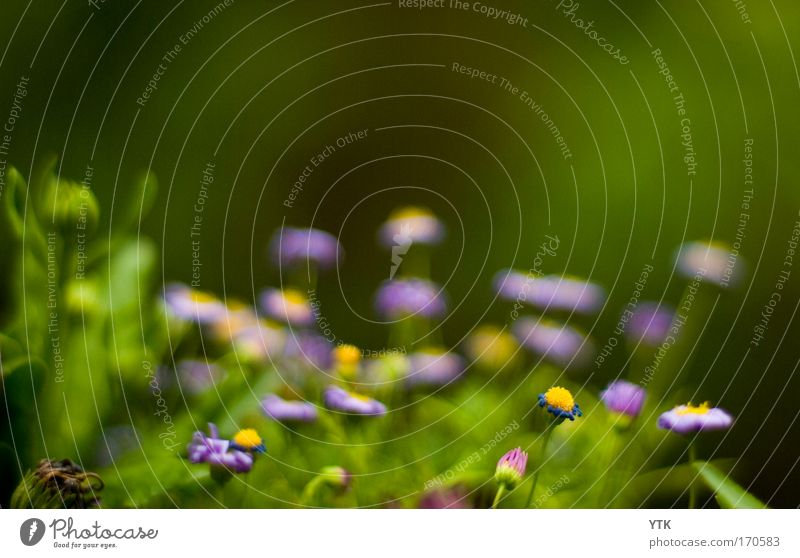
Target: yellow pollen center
(294, 297)
(410, 213)
(347, 354)
(560, 398)
(359, 396)
(199, 297)
(694, 410)
(247, 438)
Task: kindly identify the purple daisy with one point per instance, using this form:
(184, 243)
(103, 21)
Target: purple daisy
(197, 376)
(510, 284)
(342, 400)
(260, 342)
(650, 323)
(411, 225)
(281, 410)
(623, 397)
(401, 298)
(434, 367)
(560, 343)
(309, 349)
(217, 452)
(238, 316)
(712, 262)
(550, 292)
(192, 305)
(688, 419)
(289, 306)
(570, 294)
(292, 247)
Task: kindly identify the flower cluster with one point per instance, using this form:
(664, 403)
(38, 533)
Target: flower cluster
(349, 380)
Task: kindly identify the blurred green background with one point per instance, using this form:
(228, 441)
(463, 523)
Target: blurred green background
(265, 86)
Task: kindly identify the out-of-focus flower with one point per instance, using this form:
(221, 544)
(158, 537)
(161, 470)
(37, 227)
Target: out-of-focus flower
(712, 262)
(57, 485)
(345, 401)
(649, 323)
(386, 369)
(550, 292)
(511, 468)
(560, 343)
(248, 440)
(289, 306)
(189, 304)
(411, 225)
(281, 410)
(492, 348)
(260, 342)
(308, 349)
(238, 316)
(293, 247)
(687, 419)
(554, 292)
(511, 285)
(453, 499)
(336, 477)
(218, 453)
(401, 298)
(434, 367)
(560, 403)
(623, 397)
(347, 360)
(196, 376)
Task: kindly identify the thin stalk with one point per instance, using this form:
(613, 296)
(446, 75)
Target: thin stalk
(693, 486)
(497, 497)
(542, 453)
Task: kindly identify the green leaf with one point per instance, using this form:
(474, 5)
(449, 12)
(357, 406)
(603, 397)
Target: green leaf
(728, 493)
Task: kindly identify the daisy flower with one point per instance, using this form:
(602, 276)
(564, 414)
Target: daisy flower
(688, 419)
(293, 247)
(282, 410)
(345, 401)
(191, 305)
(559, 402)
(289, 306)
(623, 397)
(411, 225)
(401, 298)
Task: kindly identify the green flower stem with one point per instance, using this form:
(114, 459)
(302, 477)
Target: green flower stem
(689, 326)
(501, 490)
(542, 453)
(311, 491)
(614, 474)
(693, 485)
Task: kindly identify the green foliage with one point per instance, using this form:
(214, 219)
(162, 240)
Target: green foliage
(727, 492)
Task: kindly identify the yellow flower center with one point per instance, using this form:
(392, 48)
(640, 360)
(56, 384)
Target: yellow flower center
(694, 410)
(359, 397)
(200, 297)
(247, 438)
(560, 398)
(410, 213)
(293, 296)
(347, 354)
